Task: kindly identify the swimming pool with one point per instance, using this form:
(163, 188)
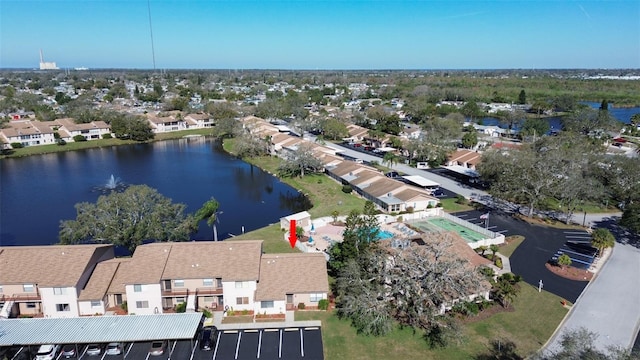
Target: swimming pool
(383, 234)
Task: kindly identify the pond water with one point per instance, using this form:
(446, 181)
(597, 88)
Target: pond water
(37, 192)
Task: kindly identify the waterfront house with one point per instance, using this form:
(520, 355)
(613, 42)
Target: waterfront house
(27, 133)
(198, 121)
(67, 129)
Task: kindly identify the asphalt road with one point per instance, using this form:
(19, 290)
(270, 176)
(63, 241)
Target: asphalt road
(530, 257)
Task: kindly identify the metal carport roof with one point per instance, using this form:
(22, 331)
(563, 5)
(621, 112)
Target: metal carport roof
(99, 329)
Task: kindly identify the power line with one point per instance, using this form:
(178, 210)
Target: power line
(153, 51)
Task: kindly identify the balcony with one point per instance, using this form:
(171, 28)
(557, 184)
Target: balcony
(204, 291)
(21, 297)
(175, 292)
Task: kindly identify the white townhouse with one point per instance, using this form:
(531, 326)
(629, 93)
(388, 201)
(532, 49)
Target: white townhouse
(48, 279)
(68, 129)
(28, 133)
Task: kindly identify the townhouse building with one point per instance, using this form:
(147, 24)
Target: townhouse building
(47, 280)
(68, 129)
(27, 133)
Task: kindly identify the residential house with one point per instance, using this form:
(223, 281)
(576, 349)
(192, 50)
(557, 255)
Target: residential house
(68, 129)
(288, 280)
(95, 298)
(47, 280)
(27, 133)
(465, 158)
(356, 133)
(198, 121)
(166, 123)
(388, 194)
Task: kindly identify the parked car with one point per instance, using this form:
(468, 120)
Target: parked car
(114, 349)
(47, 352)
(207, 338)
(157, 348)
(94, 349)
(69, 351)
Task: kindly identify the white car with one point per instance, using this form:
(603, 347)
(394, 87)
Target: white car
(114, 349)
(47, 352)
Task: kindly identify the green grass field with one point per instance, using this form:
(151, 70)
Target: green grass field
(512, 244)
(534, 320)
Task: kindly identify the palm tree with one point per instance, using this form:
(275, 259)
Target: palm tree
(209, 211)
(494, 250)
(390, 159)
(602, 239)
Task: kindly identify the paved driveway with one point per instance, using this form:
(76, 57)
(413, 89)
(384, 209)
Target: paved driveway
(530, 257)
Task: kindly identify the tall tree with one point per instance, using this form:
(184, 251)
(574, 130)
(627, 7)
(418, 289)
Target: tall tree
(209, 211)
(601, 239)
(522, 97)
(127, 219)
(300, 161)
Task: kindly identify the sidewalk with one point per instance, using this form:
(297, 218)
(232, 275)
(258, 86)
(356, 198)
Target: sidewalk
(609, 304)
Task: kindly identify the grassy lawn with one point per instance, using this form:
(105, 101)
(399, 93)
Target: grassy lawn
(273, 237)
(535, 318)
(325, 194)
(512, 243)
(450, 205)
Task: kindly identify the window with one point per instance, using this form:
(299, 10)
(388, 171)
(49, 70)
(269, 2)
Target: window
(137, 288)
(178, 283)
(0, 289)
(238, 284)
(142, 304)
(63, 307)
(179, 300)
(95, 303)
(316, 297)
(207, 282)
(242, 300)
(243, 284)
(31, 305)
(59, 291)
(266, 304)
(219, 282)
(28, 288)
(209, 299)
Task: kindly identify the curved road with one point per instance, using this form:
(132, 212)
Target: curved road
(609, 305)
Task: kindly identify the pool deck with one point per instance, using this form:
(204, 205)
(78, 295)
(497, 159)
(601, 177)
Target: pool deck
(324, 236)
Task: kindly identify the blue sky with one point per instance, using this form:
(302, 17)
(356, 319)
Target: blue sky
(327, 34)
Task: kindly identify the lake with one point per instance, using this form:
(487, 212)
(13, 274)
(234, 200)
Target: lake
(37, 192)
(555, 122)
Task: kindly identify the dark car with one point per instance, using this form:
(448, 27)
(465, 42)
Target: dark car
(207, 338)
(157, 348)
(69, 351)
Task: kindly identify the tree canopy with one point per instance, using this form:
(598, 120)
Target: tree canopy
(127, 219)
(300, 161)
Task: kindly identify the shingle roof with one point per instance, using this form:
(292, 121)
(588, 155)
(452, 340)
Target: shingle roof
(229, 260)
(146, 265)
(50, 265)
(100, 280)
(282, 274)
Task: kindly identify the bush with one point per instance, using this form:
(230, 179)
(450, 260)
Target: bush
(17, 145)
(245, 312)
(439, 205)
(107, 136)
(182, 307)
(301, 306)
(429, 206)
(347, 189)
(461, 200)
(206, 313)
(79, 138)
(61, 142)
(410, 209)
(323, 304)
(124, 306)
(498, 262)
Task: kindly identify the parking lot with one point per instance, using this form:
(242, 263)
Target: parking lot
(287, 343)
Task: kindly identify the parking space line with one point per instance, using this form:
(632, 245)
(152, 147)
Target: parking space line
(215, 352)
(301, 344)
(147, 358)
(84, 352)
(127, 352)
(238, 343)
(60, 355)
(172, 349)
(502, 231)
(280, 346)
(259, 344)
(18, 353)
(104, 354)
(193, 350)
(491, 227)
